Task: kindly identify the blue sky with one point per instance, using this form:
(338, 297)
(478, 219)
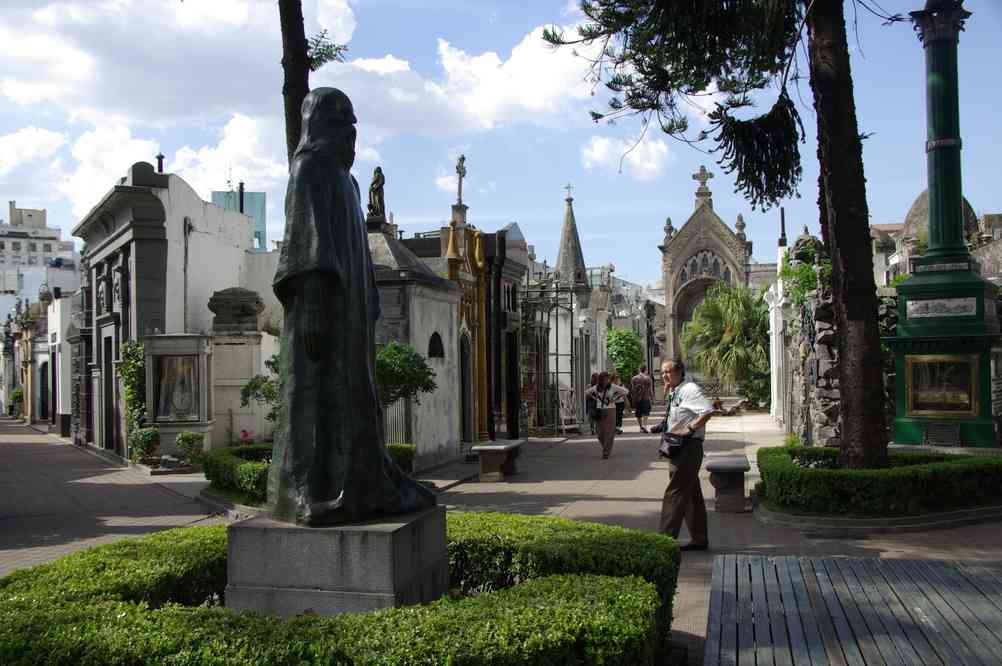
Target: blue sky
(89, 86)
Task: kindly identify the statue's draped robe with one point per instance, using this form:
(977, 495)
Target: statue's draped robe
(330, 464)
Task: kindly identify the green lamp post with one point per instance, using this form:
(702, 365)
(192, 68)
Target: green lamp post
(947, 315)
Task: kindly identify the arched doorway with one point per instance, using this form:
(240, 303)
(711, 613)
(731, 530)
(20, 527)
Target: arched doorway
(686, 300)
(465, 389)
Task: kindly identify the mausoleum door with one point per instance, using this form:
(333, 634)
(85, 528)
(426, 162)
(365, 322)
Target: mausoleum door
(686, 301)
(43, 392)
(466, 389)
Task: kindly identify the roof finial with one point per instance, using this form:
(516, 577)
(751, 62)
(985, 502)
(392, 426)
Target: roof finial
(703, 194)
(569, 187)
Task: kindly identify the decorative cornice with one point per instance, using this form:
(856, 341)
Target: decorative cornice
(941, 20)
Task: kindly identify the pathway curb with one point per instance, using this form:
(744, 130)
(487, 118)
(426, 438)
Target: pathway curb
(833, 527)
(232, 510)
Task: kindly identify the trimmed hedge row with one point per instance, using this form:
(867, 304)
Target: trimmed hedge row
(490, 551)
(242, 469)
(913, 483)
(117, 604)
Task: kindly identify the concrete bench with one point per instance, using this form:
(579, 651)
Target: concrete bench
(497, 460)
(727, 476)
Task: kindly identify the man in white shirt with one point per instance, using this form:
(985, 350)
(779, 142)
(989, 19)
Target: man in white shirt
(688, 412)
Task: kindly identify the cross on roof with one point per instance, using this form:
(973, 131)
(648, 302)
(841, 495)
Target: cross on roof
(568, 187)
(702, 176)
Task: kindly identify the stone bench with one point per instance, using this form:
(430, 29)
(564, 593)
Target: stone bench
(497, 459)
(727, 476)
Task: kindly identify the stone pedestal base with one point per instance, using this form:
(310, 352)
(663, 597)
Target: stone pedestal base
(727, 476)
(285, 569)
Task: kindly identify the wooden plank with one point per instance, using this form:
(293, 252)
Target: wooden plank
(843, 639)
(952, 610)
(880, 630)
(983, 579)
(791, 613)
(884, 609)
(861, 632)
(980, 617)
(746, 635)
(809, 616)
(756, 643)
(711, 649)
(937, 628)
(917, 641)
(777, 623)
(728, 634)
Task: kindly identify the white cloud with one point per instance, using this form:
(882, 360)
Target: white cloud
(385, 65)
(26, 145)
(336, 17)
(645, 161)
(447, 183)
(103, 155)
(535, 83)
(242, 154)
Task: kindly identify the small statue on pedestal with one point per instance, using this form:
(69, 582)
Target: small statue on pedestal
(377, 204)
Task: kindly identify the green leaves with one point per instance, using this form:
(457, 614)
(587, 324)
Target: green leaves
(321, 50)
(729, 334)
(240, 469)
(402, 373)
(264, 389)
(132, 373)
(807, 480)
(625, 352)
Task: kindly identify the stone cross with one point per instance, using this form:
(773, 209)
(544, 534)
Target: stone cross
(569, 187)
(461, 173)
(702, 176)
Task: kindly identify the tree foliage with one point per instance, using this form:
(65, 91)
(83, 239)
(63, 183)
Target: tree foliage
(264, 389)
(401, 373)
(625, 352)
(321, 50)
(132, 373)
(662, 59)
(729, 334)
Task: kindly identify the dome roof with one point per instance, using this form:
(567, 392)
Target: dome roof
(918, 218)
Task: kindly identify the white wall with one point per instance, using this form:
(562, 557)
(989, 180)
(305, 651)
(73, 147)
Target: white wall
(216, 249)
(59, 313)
(257, 274)
(436, 420)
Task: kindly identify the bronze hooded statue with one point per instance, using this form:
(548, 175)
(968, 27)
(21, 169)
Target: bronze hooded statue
(330, 464)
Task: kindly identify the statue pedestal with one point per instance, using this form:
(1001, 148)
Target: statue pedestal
(284, 569)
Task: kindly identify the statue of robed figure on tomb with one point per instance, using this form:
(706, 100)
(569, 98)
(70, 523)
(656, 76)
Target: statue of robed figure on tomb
(330, 464)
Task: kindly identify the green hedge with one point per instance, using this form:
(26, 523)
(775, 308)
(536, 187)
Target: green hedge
(241, 469)
(403, 455)
(489, 551)
(118, 604)
(913, 483)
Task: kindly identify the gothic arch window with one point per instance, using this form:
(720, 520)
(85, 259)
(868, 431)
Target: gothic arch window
(716, 268)
(435, 347)
(704, 265)
(683, 277)
(693, 268)
(727, 276)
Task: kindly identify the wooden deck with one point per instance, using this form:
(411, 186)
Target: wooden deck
(852, 612)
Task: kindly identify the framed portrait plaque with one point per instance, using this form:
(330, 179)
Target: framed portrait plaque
(176, 389)
(942, 385)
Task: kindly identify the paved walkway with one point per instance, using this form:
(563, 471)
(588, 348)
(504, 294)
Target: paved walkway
(56, 499)
(570, 479)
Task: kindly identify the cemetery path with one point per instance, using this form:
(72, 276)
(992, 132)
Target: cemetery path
(56, 498)
(570, 479)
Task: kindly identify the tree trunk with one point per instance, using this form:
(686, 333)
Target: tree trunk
(847, 231)
(296, 67)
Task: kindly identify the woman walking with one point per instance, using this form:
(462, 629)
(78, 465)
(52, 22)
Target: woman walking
(604, 393)
(590, 403)
(620, 402)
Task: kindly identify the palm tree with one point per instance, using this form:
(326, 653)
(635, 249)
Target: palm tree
(729, 334)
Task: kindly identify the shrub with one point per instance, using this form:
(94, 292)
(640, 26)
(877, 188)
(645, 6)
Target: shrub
(17, 395)
(143, 443)
(801, 480)
(625, 352)
(489, 551)
(401, 373)
(242, 469)
(190, 445)
(132, 371)
(403, 455)
(117, 604)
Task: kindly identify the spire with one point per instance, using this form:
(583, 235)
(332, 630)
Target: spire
(570, 258)
(782, 227)
(669, 230)
(740, 226)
